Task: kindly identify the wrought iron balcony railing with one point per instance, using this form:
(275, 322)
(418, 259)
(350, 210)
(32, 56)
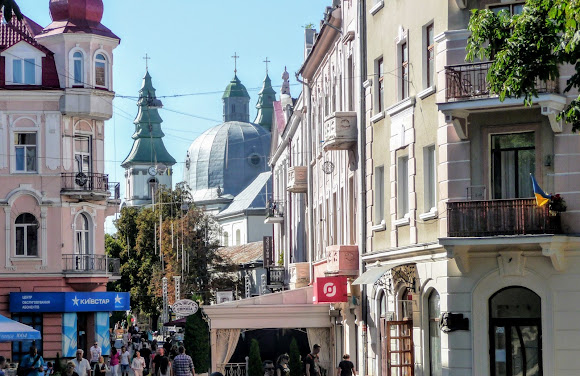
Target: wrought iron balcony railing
(275, 209)
(276, 275)
(521, 216)
(469, 81)
(85, 181)
(91, 264)
(115, 190)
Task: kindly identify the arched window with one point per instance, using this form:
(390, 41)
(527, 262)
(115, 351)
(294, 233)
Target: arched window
(101, 71)
(82, 235)
(515, 332)
(78, 66)
(26, 235)
(383, 305)
(238, 237)
(226, 239)
(434, 334)
(152, 188)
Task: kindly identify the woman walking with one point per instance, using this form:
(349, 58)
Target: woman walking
(138, 364)
(345, 367)
(115, 360)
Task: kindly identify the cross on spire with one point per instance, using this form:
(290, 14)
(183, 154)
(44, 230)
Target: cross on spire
(267, 61)
(146, 58)
(235, 57)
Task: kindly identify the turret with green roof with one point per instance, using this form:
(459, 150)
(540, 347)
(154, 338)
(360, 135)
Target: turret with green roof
(265, 105)
(148, 147)
(236, 102)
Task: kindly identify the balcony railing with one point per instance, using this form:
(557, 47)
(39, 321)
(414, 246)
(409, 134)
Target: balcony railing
(91, 264)
(115, 191)
(276, 275)
(469, 81)
(275, 212)
(520, 216)
(298, 179)
(85, 182)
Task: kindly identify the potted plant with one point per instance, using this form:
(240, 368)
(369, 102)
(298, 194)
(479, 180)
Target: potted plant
(557, 204)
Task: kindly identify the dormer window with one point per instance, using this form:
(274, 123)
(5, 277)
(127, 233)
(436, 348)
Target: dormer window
(23, 71)
(101, 76)
(78, 68)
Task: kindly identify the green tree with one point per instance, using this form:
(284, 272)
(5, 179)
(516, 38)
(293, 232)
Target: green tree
(295, 361)
(9, 7)
(196, 341)
(529, 47)
(255, 360)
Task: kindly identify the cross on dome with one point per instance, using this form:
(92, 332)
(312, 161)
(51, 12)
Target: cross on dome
(267, 61)
(235, 57)
(146, 58)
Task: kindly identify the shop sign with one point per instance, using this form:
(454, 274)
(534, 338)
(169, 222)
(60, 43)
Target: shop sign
(69, 301)
(330, 290)
(268, 250)
(184, 307)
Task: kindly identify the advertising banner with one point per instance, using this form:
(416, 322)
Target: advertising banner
(330, 290)
(69, 301)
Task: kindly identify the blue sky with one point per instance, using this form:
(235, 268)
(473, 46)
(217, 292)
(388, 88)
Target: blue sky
(190, 43)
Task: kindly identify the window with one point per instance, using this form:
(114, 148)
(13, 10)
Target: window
(226, 239)
(25, 152)
(383, 305)
(404, 71)
(26, 235)
(434, 335)
(24, 71)
(82, 235)
(238, 237)
(78, 68)
(19, 349)
(515, 332)
(101, 75)
(83, 154)
(430, 55)
(430, 178)
(379, 194)
(513, 158)
(152, 188)
(402, 186)
(381, 85)
(512, 9)
(350, 83)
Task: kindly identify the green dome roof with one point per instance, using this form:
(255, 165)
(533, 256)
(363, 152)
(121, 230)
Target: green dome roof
(235, 89)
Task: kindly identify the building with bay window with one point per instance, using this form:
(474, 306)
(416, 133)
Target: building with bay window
(57, 92)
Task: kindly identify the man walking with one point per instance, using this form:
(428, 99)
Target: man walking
(182, 364)
(32, 363)
(125, 361)
(311, 362)
(95, 354)
(82, 366)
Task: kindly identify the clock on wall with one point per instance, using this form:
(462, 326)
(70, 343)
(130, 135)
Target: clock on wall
(152, 171)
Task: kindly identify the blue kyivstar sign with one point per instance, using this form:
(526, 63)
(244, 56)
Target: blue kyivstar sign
(69, 301)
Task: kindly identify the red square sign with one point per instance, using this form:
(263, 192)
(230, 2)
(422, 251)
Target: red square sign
(330, 290)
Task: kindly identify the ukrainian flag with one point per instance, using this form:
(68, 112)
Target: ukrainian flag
(541, 197)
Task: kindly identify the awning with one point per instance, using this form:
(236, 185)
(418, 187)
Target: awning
(372, 275)
(11, 330)
(178, 322)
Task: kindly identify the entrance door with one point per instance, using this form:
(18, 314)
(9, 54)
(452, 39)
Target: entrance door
(398, 360)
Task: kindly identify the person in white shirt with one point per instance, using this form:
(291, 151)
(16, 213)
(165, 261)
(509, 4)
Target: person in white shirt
(125, 357)
(138, 364)
(95, 354)
(82, 366)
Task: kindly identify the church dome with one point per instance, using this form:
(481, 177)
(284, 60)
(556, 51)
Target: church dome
(88, 10)
(235, 89)
(228, 156)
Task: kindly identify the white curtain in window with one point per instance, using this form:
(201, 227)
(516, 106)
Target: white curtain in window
(321, 336)
(508, 175)
(226, 342)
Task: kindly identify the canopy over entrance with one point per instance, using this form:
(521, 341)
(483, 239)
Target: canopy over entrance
(11, 330)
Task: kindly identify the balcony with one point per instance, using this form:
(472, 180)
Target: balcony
(93, 103)
(88, 186)
(342, 260)
(299, 274)
(276, 276)
(298, 179)
(469, 81)
(275, 212)
(340, 131)
(500, 217)
(83, 264)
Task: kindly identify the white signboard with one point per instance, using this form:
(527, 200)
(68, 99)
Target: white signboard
(185, 307)
(224, 296)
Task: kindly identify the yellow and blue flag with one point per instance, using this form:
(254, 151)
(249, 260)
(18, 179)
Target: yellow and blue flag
(541, 197)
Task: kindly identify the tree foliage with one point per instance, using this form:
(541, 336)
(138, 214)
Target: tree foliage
(529, 47)
(10, 8)
(196, 341)
(295, 361)
(187, 242)
(255, 359)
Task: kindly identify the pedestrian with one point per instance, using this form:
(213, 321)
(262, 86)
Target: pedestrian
(282, 368)
(82, 366)
(182, 364)
(32, 363)
(125, 357)
(138, 364)
(114, 361)
(345, 367)
(311, 362)
(3, 365)
(160, 363)
(49, 369)
(100, 368)
(125, 338)
(95, 354)
(70, 369)
(146, 354)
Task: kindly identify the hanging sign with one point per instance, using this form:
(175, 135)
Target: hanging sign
(268, 246)
(330, 290)
(184, 307)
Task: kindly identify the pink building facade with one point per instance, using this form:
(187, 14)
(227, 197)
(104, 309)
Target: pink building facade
(56, 94)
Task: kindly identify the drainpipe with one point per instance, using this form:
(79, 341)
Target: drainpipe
(309, 197)
(361, 146)
(291, 250)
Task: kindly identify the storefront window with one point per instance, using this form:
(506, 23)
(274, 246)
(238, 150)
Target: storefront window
(516, 332)
(19, 349)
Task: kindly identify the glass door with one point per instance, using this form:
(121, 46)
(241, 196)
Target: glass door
(399, 357)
